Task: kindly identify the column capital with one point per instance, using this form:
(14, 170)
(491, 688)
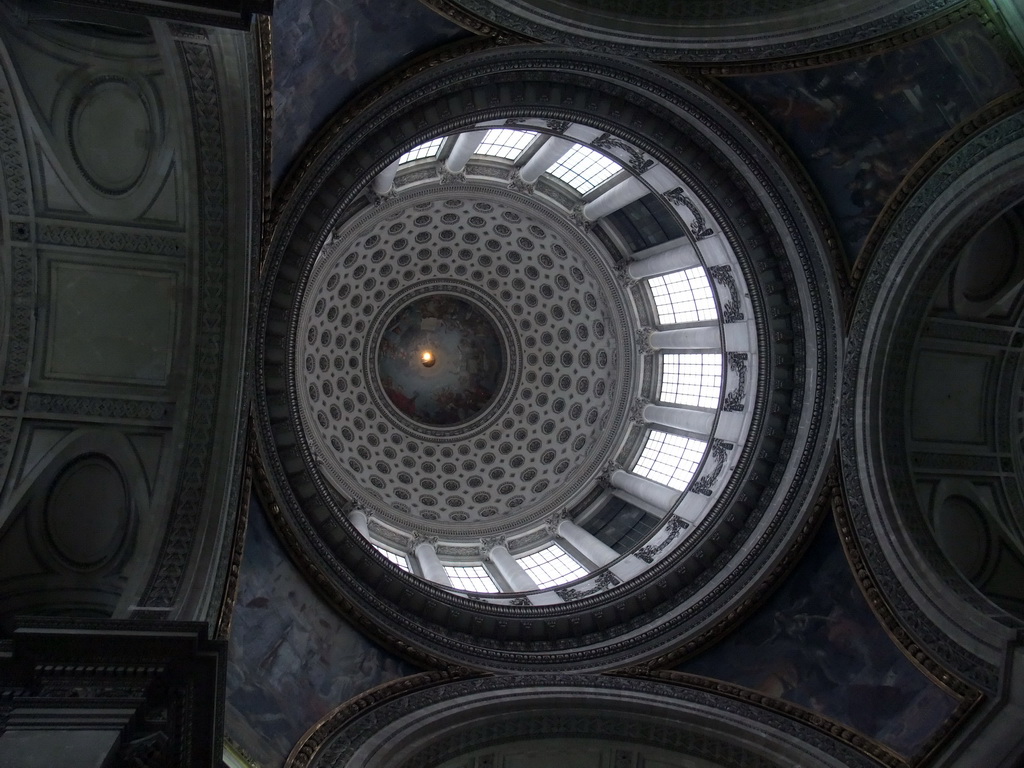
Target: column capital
(636, 410)
(579, 218)
(643, 340)
(624, 276)
(487, 543)
(519, 184)
(555, 520)
(606, 473)
(419, 538)
(379, 198)
(446, 176)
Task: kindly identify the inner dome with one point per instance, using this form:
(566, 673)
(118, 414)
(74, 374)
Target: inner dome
(440, 360)
(546, 335)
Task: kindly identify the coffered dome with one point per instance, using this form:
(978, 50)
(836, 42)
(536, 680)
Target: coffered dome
(534, 361)
(562, 372)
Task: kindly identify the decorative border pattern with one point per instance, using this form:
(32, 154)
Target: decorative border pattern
(109, 240)
(671, 530)
(602, 582)
(176, 548)
(226, 608)
(15, 174)
(698, 227)
(705, 482)
(104, 407)
(737, 362)
(722, 274)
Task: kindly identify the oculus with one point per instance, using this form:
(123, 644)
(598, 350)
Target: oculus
(440, 360)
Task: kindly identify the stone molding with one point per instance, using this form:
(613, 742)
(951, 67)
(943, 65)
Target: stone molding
(458, 713)
(703, 33)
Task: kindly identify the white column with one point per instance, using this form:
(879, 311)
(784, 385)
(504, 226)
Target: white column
(681, 417)
(382, 182)
(546, 156)
(698, 337)
(660, 260)
(518, 579)
(588, 545)
(359, 519)
(465, 145)
(430, 566)
(661, 496)
(619, 196)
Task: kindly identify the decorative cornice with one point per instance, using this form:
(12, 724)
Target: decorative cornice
(264, 52)
(719, 54)
(199, 64)
(337, 739)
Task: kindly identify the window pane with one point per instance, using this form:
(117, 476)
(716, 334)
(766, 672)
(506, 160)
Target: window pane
(551, 566)
(670, 459)
(400, 560)
(683, 297)
(472, 578)
(583, 168)
(429, 149)
(506, 143)
(691, 379)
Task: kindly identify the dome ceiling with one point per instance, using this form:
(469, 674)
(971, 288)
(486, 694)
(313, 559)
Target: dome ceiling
(555, 314)
(533, 348)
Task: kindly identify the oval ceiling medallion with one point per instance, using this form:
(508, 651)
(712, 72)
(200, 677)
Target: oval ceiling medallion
(110, 134)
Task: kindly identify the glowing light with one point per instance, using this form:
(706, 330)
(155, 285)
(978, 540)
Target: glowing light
(427, 358)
